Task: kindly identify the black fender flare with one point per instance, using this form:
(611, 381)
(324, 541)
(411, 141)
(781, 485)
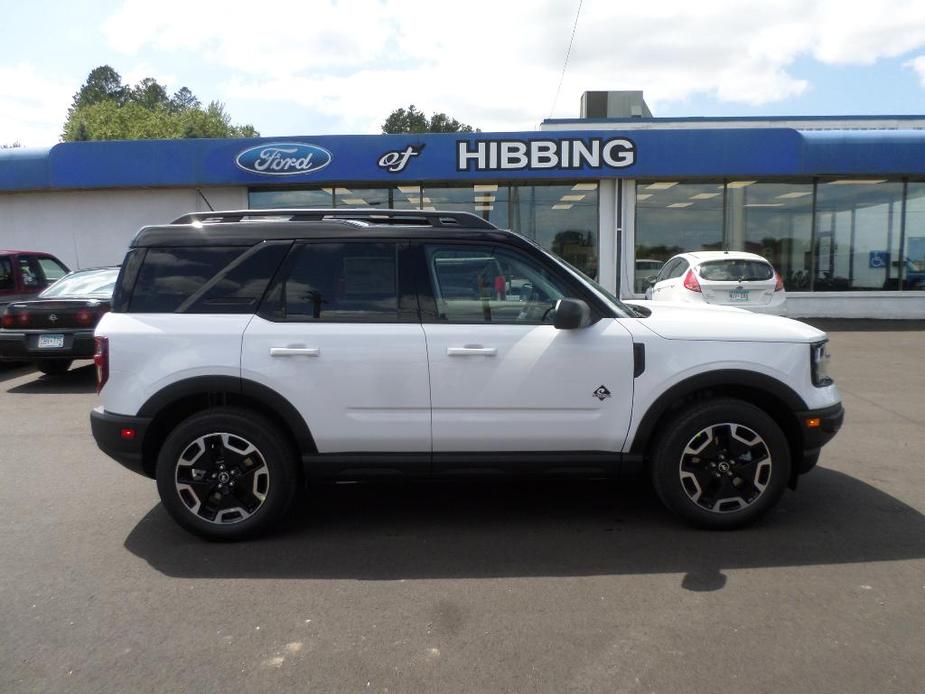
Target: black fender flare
(720, 378)
(204, 385)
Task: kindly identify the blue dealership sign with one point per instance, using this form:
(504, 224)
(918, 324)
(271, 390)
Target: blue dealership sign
(591, 154)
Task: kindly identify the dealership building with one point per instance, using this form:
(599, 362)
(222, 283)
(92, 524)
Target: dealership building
(837, 204)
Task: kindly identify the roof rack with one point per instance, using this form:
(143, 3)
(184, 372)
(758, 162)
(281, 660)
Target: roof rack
(397, 217)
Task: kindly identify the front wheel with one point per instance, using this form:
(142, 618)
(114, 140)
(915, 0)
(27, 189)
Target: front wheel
(226, 474)
(721, 464)
(53, 367)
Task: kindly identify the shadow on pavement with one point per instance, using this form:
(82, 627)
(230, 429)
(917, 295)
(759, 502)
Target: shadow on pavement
(80, 379)
(484, 530)
(9, 371)
(865, 325)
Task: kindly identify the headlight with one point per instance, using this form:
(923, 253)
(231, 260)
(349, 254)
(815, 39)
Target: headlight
(819, 359)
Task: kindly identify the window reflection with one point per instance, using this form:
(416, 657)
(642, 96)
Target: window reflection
(857, 235)
(775, 221)
(913, 271)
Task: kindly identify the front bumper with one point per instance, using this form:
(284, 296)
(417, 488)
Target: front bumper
(817, 427)
(108, 429)
(22, 345)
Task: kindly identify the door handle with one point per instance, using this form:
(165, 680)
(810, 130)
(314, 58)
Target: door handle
(473, 351)
(295, 352)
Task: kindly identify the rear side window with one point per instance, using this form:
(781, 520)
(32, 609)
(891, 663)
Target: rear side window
(170, 276)
(734, 270)
(7, 281)
(679, 269)
(52, 269)
(338, 282)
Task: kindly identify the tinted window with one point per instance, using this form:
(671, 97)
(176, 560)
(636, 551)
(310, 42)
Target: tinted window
(29, 270)
(736, 271)
(485, 284)
(7, 281)
(339, 282)
(665, 272)
(239, 287)
(52, 269)
(679, 268)
(170, 276)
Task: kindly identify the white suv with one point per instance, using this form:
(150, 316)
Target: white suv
(725, 278)
(248, 352)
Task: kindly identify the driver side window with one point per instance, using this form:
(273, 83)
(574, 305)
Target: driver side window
(488, 284)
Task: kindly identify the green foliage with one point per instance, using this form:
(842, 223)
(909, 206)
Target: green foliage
(414, 121)
(11, 145)
(105, 109)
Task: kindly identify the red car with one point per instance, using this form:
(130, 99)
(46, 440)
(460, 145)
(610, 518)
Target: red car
(23, 274)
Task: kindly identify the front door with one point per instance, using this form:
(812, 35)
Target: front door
(502, 377)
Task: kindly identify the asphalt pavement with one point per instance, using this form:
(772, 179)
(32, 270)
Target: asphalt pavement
(504, 587)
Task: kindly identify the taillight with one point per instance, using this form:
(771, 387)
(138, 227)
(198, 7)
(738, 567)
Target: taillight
(85, 317)
(779, 283)
(8, 320)
(101, 361)
(690, 281)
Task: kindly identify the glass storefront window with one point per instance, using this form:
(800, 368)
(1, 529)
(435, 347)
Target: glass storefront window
(857, 235)
(308, 197)
(488, 201)
(672, 218)
(914, 247)
(562, 219)
(775, 221)
(361, 197)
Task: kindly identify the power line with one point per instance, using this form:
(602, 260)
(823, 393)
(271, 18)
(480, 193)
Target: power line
(567, 54)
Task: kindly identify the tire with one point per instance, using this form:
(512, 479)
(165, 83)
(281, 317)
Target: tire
(721, 464)
(226, 474)
(54, 367)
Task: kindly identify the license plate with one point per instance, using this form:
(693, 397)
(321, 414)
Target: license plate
(738, 295)
(51, 341)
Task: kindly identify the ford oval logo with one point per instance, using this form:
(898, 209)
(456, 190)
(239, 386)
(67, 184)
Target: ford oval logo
(283, 159)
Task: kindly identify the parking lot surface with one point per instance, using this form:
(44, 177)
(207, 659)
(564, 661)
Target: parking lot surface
(510, 587)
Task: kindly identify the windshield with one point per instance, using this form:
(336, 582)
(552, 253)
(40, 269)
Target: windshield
(95, 283)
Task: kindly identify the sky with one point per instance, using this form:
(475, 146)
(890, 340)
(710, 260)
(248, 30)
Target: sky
(312, 67)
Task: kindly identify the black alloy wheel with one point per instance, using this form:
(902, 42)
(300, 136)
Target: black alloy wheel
(721, 463)
(227, 474)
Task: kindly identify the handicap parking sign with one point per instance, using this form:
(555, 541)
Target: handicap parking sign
(879, 259)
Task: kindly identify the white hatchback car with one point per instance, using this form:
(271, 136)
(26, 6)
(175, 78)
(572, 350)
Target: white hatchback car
(727, 278)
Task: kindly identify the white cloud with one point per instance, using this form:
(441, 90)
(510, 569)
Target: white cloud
(917, 64)
(32, 107)
(496, 64)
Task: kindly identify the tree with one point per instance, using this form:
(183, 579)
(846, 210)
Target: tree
(105, 109)
(103, 84)
(12, 145)
(414, 121)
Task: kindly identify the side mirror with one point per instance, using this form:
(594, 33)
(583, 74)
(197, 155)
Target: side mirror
(571, 314)
(651, 280)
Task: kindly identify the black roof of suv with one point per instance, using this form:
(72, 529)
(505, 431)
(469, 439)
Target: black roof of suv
(246, 227)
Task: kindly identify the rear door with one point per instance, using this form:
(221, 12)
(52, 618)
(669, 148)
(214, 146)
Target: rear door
(339, 337)
(502, 377)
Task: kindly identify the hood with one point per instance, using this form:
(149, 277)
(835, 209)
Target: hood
(677, 321)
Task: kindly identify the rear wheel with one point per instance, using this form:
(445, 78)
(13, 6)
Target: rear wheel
(226, 474)
(53, 367)
(721, 464)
